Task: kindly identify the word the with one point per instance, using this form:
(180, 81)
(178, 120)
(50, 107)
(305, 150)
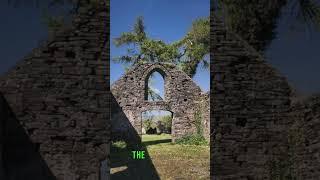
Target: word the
(138, 154)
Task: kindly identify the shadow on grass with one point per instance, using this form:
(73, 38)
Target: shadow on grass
(123, 166)
(149, 143)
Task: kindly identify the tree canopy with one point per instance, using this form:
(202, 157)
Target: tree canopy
(255, 21)
(187, 53)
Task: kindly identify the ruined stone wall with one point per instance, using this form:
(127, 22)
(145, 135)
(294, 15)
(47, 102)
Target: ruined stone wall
(182, 97)
(250, 105)
(304, 138)
(60, 94)
(204, 107)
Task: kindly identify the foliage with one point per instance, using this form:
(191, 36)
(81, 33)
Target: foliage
(152, 95)
(196, 46)
(160, 151)
(255, 21)
(198, 122)
(166, 121)
(119, 145)
(195, 138)
(149, 124)
(308, 12)
(187, 53)
(192, 139)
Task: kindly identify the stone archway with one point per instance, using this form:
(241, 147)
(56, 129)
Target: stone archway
(182, 97)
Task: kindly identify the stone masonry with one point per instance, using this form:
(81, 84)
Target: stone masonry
(60, 95)
(250, 104)
(182, 97)
(254, 119)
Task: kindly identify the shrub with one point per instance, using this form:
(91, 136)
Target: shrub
(149, 124)
(119, 144)
(166, 121)
(192, 139)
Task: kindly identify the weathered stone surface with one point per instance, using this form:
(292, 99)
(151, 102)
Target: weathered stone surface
(249, 103)
(60, 94)
(255, 116)
(61, 97)
(306, 116)
(182, 97)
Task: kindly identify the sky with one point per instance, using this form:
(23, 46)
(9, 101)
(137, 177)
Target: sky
(164, 19)
(295, 54)
(154, 113)
(21, 31)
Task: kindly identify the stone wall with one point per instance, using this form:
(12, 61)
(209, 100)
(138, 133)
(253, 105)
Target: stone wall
(182, 98)
(60, 95)
(250, 104)
(304, 138)
(19, 156)
(205, 114)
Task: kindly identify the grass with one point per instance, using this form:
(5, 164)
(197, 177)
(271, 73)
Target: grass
(166, 159)
(192, 139)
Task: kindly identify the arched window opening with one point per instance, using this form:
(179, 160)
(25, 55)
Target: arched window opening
(155, 87)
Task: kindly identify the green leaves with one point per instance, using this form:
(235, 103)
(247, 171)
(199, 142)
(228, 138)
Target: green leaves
(158, 51)
(125, 39)
(196, 45)
(309, 13)
(255, 21)
(139, 29)
(187, 52)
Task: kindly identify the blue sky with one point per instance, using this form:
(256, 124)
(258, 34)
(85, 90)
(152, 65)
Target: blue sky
(295, 54)
(164, 19)
(21, 31)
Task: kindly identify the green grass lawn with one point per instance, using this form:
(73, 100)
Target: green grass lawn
(164, 160)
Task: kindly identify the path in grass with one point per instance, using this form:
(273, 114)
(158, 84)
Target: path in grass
(167, 160)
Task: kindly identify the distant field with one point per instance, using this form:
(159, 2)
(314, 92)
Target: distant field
(164, 160)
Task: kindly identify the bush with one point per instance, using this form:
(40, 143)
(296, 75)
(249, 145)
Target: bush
(119, 144)
(166, 121)
(149, 125)
(192, 139)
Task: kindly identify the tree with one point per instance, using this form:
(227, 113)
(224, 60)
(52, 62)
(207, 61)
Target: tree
(196, 46)
(187, 53)
(255, 21)
(166, 122)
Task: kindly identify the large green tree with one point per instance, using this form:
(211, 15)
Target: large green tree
(187, 53)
